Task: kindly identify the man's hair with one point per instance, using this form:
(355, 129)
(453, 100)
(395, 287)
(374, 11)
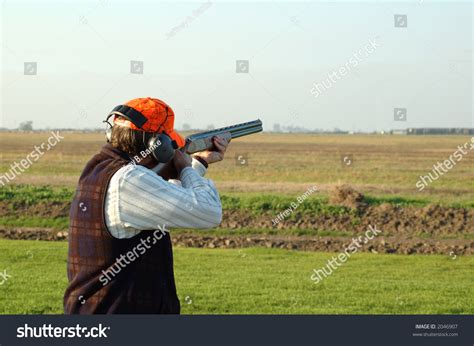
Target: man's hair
(128, 140)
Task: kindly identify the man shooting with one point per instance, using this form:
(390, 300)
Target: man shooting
(115, 262)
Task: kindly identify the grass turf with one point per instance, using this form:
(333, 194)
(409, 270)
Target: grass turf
(256, 280)
(257, 203)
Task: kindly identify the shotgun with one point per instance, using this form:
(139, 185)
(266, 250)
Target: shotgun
(203, 140)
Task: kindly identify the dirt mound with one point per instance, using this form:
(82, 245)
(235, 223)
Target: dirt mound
(392, 245)
(41, 209)
(427, 222)
(29, 233)
(393, 220)
(430, 222)
(346, 196)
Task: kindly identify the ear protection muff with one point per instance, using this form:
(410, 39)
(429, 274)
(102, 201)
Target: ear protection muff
(160, 145)
(108, 130)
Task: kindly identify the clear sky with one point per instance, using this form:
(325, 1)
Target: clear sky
(83, 52)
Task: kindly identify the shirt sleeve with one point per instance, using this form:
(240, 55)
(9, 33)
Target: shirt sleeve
(146, 201)
(199, 167)
(196, 164)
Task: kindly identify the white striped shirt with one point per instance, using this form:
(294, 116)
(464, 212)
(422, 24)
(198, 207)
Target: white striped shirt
(138, 199)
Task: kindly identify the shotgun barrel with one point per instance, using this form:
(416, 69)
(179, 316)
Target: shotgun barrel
(203, 140)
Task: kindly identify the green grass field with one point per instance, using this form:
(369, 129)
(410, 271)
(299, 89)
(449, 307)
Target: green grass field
(255, 281)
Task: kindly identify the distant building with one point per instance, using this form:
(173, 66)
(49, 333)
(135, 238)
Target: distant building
(440, 131)
(398, 132)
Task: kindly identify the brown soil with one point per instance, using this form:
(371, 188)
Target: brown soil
(430, 221)
(389, 245)
(329, 244)
(40, 209)
(28, 233)
(346, 196)
(404, 229)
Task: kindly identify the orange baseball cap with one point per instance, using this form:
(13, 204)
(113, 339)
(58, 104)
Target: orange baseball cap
(160, 118)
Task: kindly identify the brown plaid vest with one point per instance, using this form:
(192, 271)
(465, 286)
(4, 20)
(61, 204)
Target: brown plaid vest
(100, 280)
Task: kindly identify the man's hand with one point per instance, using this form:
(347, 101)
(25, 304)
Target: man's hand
(209, 156)
(181, 161)
(168, 171)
